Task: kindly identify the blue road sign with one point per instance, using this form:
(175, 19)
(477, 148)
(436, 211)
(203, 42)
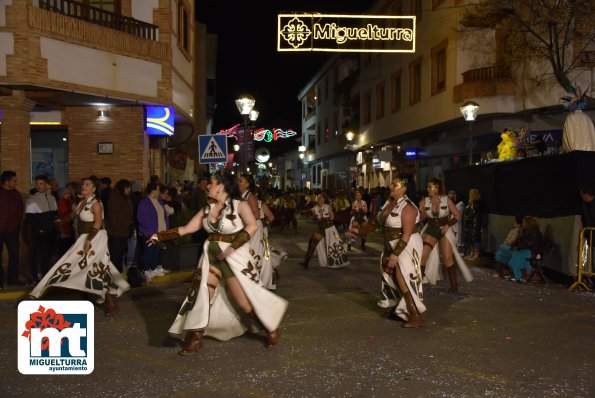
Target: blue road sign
(212, 148)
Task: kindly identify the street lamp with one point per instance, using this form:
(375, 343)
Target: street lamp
(245, 105)
(301, 155)
(349, 135)
(469, 111)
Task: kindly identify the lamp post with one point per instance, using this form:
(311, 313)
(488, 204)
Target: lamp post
(349, 136)
(245, 105)
(469, 111)
(301, 155)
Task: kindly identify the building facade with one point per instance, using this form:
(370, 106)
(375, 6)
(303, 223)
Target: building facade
(76, 78)
(404, 108)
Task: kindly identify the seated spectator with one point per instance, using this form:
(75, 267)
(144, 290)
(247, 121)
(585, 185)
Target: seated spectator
(529, 244)
(504, 251)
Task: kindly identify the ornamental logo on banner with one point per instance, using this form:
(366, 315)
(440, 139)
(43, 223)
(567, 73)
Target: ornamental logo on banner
(56, 337)
(346, 33)
(212, 148)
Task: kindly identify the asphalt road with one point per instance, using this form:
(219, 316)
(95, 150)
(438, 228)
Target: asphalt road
(494, 339)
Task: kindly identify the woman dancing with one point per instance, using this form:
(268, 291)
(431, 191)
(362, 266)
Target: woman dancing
(86, 266)
(330, 253)
(441, 214)
(207, 309)
(359, 209)
(399, 262)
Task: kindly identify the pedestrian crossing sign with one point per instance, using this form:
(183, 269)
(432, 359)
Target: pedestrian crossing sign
(212, 148)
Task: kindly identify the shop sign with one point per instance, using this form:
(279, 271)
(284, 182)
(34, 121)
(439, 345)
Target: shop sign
(159, 120)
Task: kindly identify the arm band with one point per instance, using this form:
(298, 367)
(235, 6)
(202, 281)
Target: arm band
(452, 221)
(399, 247)
(92, 234)
(241, 239)
(168, 234)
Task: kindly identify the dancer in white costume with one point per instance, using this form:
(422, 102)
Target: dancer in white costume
(86, 266)
(271, 257)
(359, 209)
(441, 214)
(248, 190)
(399, 262)
(330, 252)
(207, 309)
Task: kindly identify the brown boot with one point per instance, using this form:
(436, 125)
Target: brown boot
(311, 246)
(452, 276)
(272, 337)
(111, 304)
(192, 343)
(415, 319)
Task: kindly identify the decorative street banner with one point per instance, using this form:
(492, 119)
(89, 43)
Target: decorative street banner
(346, 33)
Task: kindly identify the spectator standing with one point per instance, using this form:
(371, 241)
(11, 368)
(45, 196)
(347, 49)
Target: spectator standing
(152, 218)
(66, 216)
(40, 217)
(458, 227)
(198, 202)
(119, 222)
(472, 216)
(105, 190)
(136, 196)
(54, 188)
(12, 209)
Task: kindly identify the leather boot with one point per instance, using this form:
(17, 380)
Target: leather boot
(272, 337)
(309, 253)
(111, 304)
(452, 276)
(192, 343)
(415, 319)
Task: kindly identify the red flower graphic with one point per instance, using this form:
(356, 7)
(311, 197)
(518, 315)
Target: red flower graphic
(43, 319)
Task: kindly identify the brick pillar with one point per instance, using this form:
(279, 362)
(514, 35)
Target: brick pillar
(15, 137)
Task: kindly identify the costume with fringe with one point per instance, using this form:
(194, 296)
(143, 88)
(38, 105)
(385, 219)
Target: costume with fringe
(220, 319)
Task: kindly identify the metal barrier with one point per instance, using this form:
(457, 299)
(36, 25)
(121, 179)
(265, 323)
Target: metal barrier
(585, 258)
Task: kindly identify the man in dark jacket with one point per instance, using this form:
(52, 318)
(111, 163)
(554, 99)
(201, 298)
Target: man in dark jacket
(12, 209)
(41, 215)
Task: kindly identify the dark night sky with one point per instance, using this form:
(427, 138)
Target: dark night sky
(248, 61)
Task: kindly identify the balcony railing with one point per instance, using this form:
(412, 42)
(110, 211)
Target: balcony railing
(495, 80)
(101, 17)
(488, 73)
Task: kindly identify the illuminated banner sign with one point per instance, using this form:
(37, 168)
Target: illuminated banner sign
(268, 135)
(261, 134)
(346, 33)
(160, 120)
